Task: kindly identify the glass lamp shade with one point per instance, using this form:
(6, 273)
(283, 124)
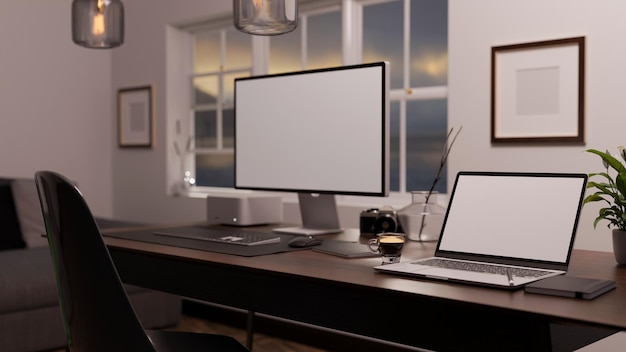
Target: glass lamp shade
(98, 23)
(265, 17)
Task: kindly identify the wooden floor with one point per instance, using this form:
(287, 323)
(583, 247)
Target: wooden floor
(278, 336)
(261, 342)
(275, 334)
(565, 338)
(271, 334)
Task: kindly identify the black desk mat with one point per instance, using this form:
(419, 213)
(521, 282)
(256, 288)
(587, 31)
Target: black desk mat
(225, 248)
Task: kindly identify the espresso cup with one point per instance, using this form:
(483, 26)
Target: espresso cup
(389, 245)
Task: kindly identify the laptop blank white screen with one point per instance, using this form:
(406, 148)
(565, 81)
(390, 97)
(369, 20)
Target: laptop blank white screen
(513, 216)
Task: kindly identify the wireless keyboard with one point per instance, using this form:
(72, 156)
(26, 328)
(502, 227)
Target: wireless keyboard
(244, 238)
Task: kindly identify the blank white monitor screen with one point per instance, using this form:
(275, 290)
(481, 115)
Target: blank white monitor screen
(317, 131)
(528, 216)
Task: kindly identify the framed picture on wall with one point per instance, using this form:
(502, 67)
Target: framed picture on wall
(538, 91)
(135, 117)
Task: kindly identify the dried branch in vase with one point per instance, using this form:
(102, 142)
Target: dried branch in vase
(447, 147)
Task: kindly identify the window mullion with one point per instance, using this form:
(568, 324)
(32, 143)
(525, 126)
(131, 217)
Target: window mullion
(187, 149)
(406, 79)
(219, 128)
(304, 48)
(260, 54)
(402, 153)
(420, 93)
(349, 30)
(220, 88)
(406, 45)
(353, 44)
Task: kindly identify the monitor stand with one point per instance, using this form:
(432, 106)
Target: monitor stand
(319, 216)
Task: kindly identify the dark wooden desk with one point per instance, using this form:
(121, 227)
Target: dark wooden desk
(350, 296)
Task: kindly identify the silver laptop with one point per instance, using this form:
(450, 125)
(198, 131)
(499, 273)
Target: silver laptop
(504, 229)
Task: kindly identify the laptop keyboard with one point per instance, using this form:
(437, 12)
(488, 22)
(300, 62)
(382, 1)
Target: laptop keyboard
(480, 267)
(245, 238)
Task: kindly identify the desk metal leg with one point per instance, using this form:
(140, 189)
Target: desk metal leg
(250, 330)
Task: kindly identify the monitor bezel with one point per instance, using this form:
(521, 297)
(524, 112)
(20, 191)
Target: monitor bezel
(384, 168)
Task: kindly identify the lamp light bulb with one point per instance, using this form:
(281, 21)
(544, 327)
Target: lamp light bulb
(98, 27)
(98, 23)
(262, 10)
(265, 17)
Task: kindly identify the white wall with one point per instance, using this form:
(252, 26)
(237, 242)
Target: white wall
(56, 107)
(139, 177)
(57, 100)
(475, 26)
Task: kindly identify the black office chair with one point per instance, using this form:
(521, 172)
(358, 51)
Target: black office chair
(96, 311)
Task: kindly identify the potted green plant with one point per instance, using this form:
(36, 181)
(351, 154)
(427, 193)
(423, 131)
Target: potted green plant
(612, 191)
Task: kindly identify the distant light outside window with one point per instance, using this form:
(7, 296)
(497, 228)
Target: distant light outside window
(426, 120)
(219, 57)
(215, 170)
(394, 144)
(238, 50)
(285, 52)
(322, 44)
(429, 43)
(426, 134)
(383, 40)
(324, 41)
(206, 129)
(207, 48)
(383, 35)
(206, 89)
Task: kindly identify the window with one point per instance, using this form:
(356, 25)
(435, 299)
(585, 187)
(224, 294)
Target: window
(418, 57)
(410, 34)
(316, 43)
(219, 57)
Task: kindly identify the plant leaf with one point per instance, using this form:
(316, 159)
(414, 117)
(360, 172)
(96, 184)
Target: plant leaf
(613, 163)
(620, 183)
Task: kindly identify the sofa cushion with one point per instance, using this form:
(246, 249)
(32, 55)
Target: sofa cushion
(10, 234)
(26, 280)
(28, 211)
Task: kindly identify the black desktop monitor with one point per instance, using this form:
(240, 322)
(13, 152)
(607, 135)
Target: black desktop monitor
(318, 133)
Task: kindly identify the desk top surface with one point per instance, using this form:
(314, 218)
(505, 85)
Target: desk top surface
(607, 310)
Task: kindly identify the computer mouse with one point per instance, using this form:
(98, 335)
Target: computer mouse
(304, 241)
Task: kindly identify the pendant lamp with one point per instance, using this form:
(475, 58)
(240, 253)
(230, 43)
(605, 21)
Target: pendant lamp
(265, 17)
(98, 23)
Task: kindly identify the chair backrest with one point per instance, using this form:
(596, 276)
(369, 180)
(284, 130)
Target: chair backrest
(96, 311)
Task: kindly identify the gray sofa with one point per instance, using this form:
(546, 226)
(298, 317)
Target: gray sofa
(30, 319)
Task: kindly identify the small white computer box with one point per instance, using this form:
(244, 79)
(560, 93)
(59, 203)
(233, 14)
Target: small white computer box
(244, 209)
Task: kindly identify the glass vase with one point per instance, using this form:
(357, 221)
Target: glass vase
(423, 218)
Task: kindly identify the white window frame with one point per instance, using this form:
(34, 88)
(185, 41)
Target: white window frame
(352, 11)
